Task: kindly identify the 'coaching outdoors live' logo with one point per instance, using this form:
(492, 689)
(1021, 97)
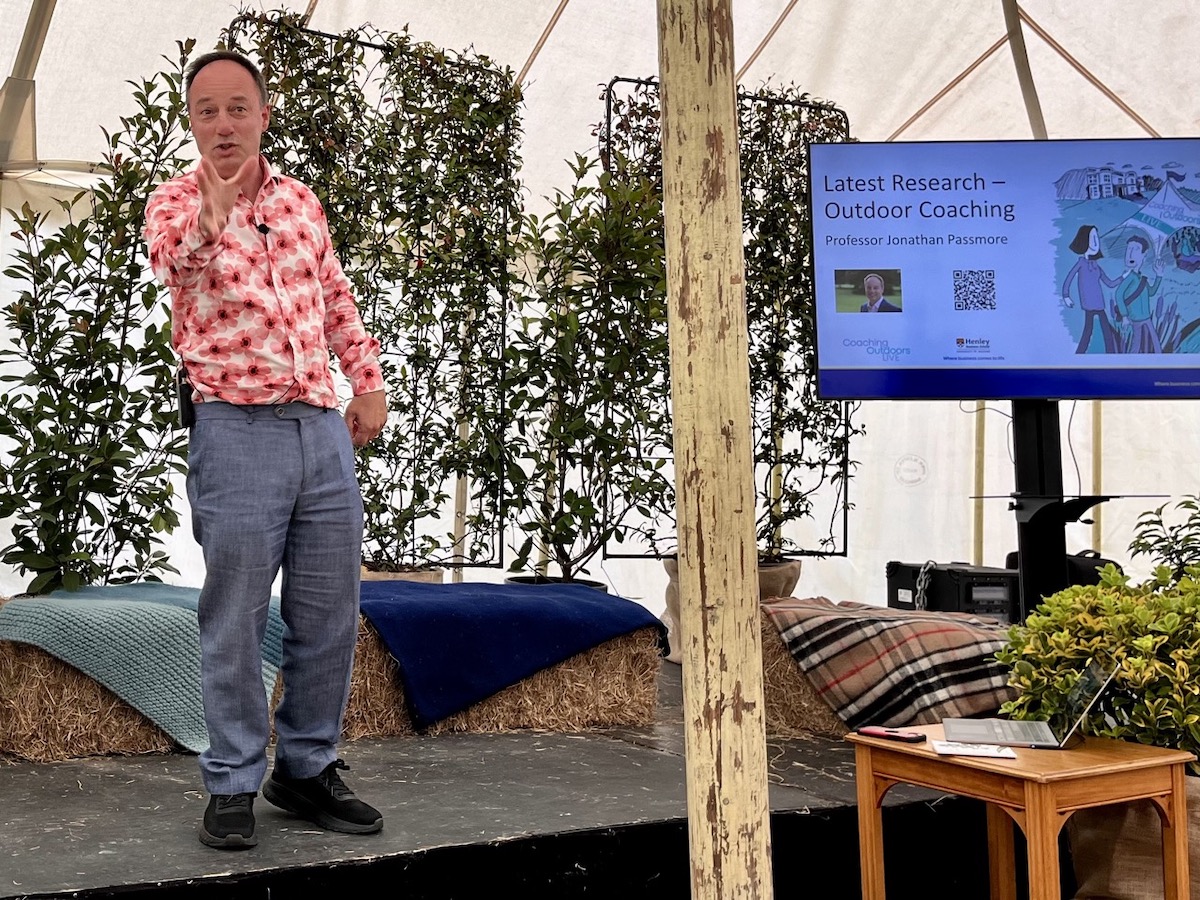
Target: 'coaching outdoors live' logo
(878, 347)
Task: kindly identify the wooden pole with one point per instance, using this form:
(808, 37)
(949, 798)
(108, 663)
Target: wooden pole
(980, 483)
(724, 731)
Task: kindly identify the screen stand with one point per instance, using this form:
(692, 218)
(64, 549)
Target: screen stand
(1042, 510)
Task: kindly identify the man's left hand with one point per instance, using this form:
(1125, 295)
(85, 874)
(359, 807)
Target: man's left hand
(365, 416)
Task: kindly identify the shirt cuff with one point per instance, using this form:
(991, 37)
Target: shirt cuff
(366, 379)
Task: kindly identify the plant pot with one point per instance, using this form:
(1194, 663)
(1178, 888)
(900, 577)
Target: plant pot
(1117, 850)
(775, 579)
(554, 579)
(425, 576)
(778, 579)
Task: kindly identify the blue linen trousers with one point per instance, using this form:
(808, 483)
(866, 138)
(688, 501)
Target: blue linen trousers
(274, 487)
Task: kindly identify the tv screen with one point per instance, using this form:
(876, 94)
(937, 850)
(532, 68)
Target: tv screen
(1007, 269)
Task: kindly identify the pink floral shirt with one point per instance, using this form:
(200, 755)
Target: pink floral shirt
(254, 315)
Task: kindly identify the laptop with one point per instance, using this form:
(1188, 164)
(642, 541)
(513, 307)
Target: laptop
(1038, 735)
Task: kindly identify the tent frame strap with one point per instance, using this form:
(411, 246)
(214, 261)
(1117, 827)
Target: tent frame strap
(1087, 74)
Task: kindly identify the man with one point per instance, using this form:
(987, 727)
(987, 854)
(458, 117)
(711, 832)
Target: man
(873, 285)
(1132, 297)
(258, 300)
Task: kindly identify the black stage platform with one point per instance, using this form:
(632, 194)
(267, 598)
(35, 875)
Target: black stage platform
(600, 814)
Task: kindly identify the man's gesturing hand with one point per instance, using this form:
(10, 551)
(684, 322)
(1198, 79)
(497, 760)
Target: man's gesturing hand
(218, 195)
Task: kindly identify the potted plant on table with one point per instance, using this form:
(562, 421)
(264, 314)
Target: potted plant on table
(1151, 631)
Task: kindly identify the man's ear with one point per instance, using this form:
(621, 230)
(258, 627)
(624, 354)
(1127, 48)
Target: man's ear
(266, 114)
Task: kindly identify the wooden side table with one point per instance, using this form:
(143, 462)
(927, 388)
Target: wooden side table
(1039, 790)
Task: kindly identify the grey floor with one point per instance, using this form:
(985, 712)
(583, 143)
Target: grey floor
(103, 825)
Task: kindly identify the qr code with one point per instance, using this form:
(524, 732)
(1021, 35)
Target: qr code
(974, 289)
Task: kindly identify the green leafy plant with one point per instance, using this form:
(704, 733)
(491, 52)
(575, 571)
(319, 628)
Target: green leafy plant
(801, 443)
(1174, 544)
(86, 407)
(581, 366)
(412, 151)
(1151, 632)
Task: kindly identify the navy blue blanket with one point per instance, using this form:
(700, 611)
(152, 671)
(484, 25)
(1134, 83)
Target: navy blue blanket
(457, 644)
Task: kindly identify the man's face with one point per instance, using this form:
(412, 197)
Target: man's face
(1134, 254)
(228, 115)
(874, 288)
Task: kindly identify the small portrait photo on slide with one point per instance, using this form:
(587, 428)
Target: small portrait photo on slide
(868, 290)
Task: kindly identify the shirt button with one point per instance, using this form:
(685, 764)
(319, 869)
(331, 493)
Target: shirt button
(279, 411)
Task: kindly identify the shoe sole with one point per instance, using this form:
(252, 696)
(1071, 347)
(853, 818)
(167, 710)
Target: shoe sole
(290, 801)
(229, 842)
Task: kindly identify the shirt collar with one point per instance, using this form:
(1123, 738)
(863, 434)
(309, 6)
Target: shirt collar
(269, 174)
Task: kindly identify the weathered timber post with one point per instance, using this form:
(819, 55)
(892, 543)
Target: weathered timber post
(725, 740)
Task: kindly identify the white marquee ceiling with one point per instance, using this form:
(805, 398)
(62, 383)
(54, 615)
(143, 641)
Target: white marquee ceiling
(880, 60)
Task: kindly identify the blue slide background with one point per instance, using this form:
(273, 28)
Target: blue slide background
(1024, 202)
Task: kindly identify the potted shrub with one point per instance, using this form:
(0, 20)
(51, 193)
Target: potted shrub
(1152, 632)
(86, 402)
(412, 150)
(1174, 544)
(801, 444)
(579, 367)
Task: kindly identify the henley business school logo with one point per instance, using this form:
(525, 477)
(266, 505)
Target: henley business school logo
(973, 345)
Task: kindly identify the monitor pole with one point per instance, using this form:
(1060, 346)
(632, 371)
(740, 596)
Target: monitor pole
(1042, 510)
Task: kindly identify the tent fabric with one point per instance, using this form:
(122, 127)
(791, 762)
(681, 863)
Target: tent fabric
(916, 71)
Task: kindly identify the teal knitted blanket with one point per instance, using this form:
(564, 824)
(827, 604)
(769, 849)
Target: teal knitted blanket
(141, 641)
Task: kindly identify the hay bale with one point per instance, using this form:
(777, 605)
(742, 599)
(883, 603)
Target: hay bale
(793, 707)
(50, 711)
(614, 684)
(376, 704)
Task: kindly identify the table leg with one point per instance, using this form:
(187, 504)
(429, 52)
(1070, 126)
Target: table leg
(1042, 825)
(870, 825)
(1002, 859)
(1175, 839)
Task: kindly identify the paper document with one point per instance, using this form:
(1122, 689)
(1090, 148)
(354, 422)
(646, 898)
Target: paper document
(952, 748)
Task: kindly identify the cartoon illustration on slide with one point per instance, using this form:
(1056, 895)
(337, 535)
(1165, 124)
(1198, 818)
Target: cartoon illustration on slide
(1149, 218)
(1088, 278)
(1132, 299)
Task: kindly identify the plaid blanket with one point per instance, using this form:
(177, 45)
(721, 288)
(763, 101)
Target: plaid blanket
(881, 666)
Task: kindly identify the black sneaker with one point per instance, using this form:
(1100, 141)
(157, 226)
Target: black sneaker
(229, 822)
(324, 800)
